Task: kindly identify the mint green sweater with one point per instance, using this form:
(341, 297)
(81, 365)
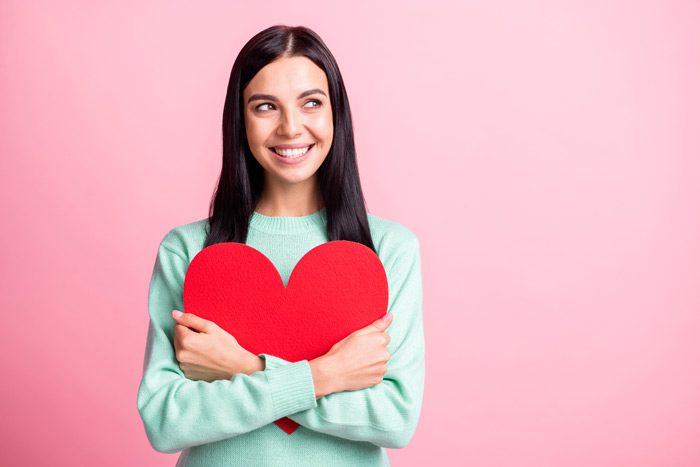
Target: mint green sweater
(230, 422)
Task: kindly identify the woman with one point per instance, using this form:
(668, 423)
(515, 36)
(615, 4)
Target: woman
(289, 182)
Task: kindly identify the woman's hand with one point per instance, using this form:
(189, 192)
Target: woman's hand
(356, 362)
(207, 352)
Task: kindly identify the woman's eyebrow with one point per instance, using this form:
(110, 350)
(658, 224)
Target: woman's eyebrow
(270, 97)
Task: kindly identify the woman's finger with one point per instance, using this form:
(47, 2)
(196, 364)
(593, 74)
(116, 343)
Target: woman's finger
(379, 325)
(193, 321)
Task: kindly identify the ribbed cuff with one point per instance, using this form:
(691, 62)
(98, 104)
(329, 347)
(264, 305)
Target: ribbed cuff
(272, 362)
(292, 388)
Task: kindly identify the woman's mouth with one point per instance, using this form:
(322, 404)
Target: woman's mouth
(292, 156)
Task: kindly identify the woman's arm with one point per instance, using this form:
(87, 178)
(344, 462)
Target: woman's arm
(178, 412)
(385, 414)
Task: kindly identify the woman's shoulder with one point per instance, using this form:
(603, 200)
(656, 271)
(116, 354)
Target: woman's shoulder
(391, 237)
(187, 239)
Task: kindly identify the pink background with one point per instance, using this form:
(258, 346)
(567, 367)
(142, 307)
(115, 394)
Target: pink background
(545, 153)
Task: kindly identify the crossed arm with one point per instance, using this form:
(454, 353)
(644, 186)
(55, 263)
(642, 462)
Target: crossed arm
(178, 412)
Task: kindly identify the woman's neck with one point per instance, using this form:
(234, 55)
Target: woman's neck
(291, 200)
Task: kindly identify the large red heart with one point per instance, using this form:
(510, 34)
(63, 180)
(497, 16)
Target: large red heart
(336, 288)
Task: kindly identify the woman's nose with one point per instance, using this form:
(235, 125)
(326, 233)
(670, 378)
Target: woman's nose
(290, 123)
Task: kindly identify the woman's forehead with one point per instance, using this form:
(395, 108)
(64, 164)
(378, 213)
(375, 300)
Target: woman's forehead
(288, 76)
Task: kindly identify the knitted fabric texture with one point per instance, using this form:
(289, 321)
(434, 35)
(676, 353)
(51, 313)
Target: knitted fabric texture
(230, 422)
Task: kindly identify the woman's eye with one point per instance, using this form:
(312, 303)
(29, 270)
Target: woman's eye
(259, 107)
(316, 101)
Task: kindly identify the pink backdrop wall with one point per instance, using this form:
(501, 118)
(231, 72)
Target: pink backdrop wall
(545, 153)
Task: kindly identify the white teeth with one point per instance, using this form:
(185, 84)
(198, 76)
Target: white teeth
(292, 152)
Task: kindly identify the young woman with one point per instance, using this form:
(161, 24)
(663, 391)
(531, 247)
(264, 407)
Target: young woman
(289, 182)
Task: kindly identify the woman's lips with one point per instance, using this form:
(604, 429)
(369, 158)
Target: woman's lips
(293, 146)
(290, 160)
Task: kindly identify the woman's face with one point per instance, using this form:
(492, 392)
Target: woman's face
(287, 105)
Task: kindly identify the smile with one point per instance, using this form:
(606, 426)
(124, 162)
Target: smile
(292, 156)
(295, 152)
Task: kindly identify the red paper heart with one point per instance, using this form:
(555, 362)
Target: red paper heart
(335, 289)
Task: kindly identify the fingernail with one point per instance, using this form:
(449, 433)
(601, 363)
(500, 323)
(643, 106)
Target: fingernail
(387, 317)
(177, 313)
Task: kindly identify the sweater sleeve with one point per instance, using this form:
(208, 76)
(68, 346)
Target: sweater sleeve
(177, 412)
(385, 414)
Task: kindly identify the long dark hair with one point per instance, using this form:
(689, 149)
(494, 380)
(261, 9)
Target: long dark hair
(240, 184)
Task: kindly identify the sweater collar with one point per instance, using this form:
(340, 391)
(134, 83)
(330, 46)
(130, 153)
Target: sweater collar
(288, 224)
